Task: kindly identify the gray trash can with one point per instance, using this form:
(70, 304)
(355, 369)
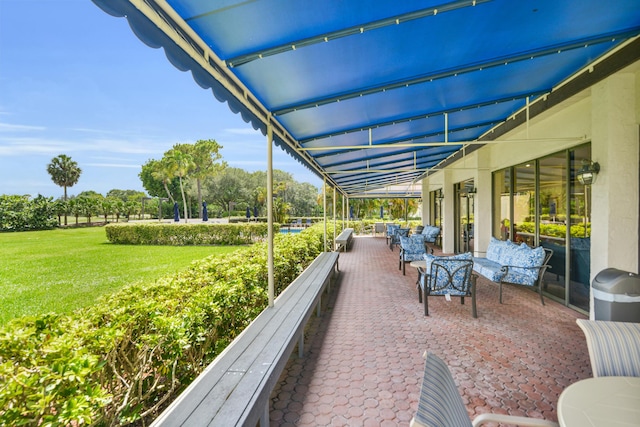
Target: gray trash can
(616, 295)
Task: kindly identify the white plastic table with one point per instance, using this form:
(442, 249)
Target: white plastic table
(601, 402)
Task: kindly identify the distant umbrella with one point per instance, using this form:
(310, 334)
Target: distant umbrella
(205, 214)
(248, 214)
(351, 212)
(381, 212)
(176, 212)
(255, 211)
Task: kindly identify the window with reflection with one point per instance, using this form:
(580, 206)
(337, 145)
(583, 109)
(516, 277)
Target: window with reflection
(580, 233)
(502, 204)
(524, 203)
(437, 198)
(541, 202)
(553, 218)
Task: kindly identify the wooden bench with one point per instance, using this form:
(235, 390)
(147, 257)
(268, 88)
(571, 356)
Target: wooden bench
(234, 389)
(344, 239)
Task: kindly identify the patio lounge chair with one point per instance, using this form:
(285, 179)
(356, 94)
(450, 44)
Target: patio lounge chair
(614, 347)
(411, 249)
(441, 405)
(452, 275)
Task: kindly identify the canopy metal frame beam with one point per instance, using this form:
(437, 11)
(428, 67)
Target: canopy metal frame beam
(468, 68)
(404, 142)
(428, 115)
(351, 31)
(614, 61)
(382, 158)
(403, 178)
(437, 144)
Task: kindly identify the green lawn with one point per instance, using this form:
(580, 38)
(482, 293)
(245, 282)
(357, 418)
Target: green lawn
(64, 270)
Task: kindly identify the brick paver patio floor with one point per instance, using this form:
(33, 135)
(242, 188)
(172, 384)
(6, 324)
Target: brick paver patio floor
(363, 357)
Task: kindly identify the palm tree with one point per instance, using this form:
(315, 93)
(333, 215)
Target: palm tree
(162, 173)
(180, 163)
(204, 154)
(65, 173)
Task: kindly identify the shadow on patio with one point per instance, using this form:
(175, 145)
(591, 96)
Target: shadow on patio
(363, 362)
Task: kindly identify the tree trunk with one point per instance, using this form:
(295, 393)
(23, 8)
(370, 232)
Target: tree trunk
(184, 201)
(167, 190)
(199, 186)
(65, 200)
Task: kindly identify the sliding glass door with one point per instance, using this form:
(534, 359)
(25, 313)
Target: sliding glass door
(541, 203)
(553, 219)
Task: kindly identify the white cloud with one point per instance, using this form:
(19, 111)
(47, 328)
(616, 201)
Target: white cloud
(8, 127)
(21, 146)
(114, 165)
(244, 131)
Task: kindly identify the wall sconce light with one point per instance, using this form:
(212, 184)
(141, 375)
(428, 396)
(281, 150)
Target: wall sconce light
(588, 173)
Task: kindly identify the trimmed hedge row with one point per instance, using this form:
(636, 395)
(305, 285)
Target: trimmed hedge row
(124, 359)
(187, 234)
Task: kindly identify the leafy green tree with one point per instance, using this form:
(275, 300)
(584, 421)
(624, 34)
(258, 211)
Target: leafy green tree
(126, 195)
(131, 208)
(61, 208)
(64, 173)
(179, 164)
(302, 197)
(205, 155)
(259, 197)
(281, 211)
(106, 207)
(75, 208)
(117, 207)
(22, 213)
(230, 185)
(157, 180)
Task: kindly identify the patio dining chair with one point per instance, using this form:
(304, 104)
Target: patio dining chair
(452, 276)
(397, 234)
(411, 249)
(614, 347)
(441, 405)
(391, 228)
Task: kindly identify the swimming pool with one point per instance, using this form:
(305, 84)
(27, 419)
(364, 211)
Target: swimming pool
(290, 230)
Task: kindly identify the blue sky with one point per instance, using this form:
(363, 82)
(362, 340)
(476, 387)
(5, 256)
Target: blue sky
(76, 81)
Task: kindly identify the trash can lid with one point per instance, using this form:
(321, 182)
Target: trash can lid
(617, 282)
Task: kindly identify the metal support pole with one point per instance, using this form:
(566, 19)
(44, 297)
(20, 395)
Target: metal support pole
(334, 216)
(346, 211)
(324, 210)
(271, 289)
(301, 345)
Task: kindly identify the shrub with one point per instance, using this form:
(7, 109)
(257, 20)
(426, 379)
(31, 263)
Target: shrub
(186, 234)
(124, 359)
(22, 213)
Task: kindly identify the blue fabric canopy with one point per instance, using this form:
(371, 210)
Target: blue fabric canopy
(374, 93)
